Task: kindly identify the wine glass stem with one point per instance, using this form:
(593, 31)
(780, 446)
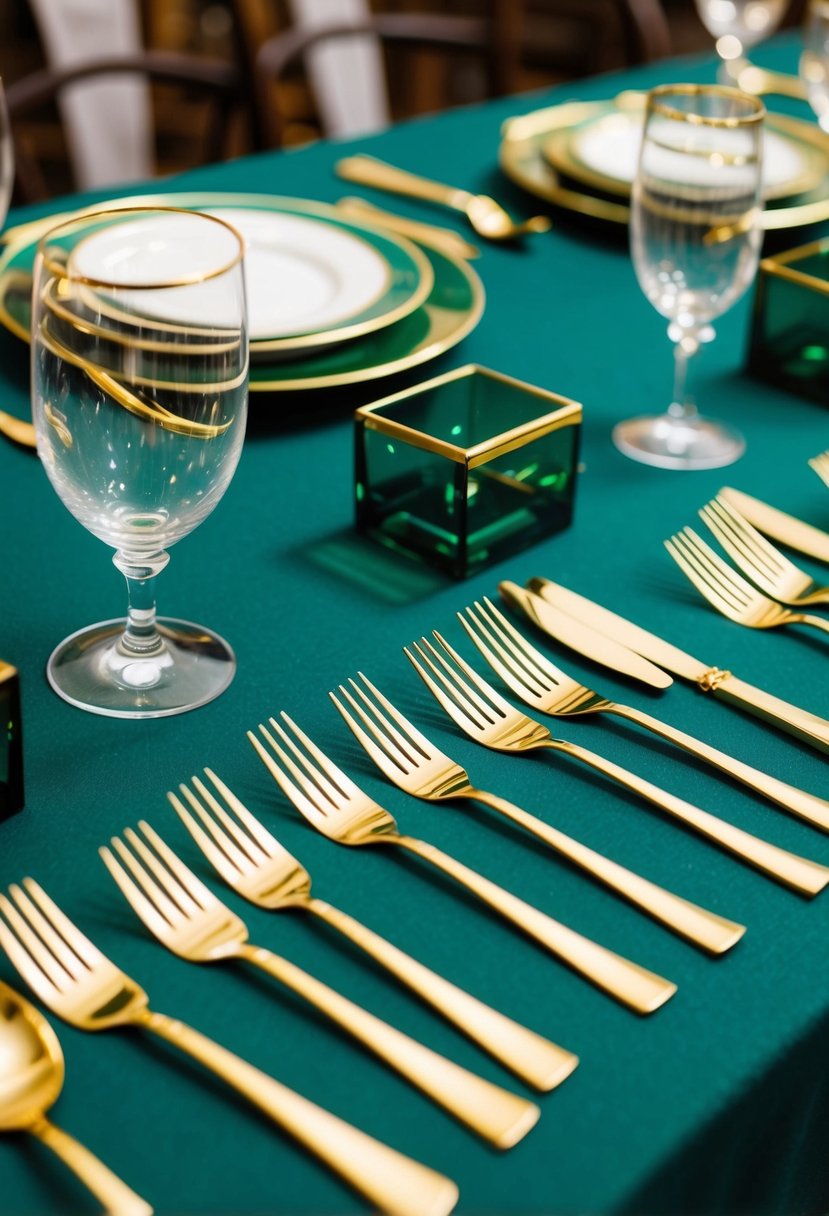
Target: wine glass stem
(682, 402)
(141, 636)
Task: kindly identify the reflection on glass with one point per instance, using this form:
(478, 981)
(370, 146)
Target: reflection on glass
(695, 242)
(814, 60)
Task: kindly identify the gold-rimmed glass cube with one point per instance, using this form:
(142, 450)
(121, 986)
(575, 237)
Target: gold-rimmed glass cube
(789, 343)
(466, 469)
(11, 742)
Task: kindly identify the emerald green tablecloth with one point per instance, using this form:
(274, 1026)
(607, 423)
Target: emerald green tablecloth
(717, 1103)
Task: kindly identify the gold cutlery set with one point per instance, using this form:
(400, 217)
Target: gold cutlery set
(84, 988)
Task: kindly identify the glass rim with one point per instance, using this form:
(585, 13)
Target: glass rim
(77, 221)
(758, 110)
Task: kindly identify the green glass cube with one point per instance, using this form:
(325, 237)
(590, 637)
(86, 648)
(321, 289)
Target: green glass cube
(11, 742)
(789, 344)
(466, 469)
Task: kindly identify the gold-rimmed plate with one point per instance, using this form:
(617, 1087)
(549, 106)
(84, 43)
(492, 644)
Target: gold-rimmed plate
(531, 142)
(314, 278)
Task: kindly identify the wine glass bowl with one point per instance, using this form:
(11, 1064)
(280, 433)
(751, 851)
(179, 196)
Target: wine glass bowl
(695, 236)
(139, 391)
(814, 60)
(737, 26)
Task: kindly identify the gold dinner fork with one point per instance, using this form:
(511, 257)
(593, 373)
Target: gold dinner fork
(728, 591)
(485, 716)
(415, 765)
(80, 984)
(260, 869)
(820, 464)
(187, 918)
(757, 557)
(337, 808)
(538, 682)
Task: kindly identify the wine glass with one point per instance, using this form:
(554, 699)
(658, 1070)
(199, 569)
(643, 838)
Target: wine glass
(6, 158)
(738, 25)
(814, 60)
(695, 236)
(139, 391)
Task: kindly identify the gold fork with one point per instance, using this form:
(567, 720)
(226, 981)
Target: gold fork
(757, 557)
(256, 865)
(539, 683)
(485, 716)
(337, 808)
(727, 590)
(414, 764)
(80, 984)
(820, 464)
(193, 923)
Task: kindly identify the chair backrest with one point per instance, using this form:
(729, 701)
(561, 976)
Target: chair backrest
(216, 80)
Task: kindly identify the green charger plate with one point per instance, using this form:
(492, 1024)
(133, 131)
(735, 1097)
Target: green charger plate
(452, 308)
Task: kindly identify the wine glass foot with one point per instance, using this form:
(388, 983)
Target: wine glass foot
(93, 671)
(678, 443)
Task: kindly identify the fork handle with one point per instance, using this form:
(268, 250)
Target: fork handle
(634, 986)
(806, 618)
(395, 1183)
(807, 877)
(500, 1117)
(370, 171)
(117, 1198)
(529, 1055)
(806, 806)
(714, 933)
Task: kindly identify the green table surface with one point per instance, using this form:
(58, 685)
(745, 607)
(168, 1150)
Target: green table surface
(717, 1103)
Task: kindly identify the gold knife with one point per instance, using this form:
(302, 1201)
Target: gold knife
(445, 240)
(776, 524)
(581, 638)
(806, 726)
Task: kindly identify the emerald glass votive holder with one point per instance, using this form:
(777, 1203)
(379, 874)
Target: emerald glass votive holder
(789, 343)
(466, 469)
(11, 742)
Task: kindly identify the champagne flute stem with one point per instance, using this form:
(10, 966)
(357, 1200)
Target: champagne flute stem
(682, 403)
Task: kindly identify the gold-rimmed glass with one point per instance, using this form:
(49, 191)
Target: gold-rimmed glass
(814, 59)
(695, 236)
(139, 394)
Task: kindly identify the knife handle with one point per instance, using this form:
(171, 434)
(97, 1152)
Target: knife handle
(369, 171)
(806, 726)
(806, 806)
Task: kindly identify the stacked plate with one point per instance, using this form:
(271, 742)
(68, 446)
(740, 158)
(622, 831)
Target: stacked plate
(582, 156)
(330, 300)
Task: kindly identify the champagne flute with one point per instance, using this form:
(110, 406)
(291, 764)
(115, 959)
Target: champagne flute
(6, 158)
(696, 204)
(737, 26)
(139, 392)
(814, 60)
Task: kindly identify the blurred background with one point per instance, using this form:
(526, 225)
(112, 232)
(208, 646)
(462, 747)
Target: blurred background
(280, 89)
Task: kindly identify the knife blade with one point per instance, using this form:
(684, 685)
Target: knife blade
(586, 641)
(779, 526)
(808, 727)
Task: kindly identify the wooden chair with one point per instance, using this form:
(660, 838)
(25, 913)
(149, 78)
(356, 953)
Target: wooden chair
(217, 82)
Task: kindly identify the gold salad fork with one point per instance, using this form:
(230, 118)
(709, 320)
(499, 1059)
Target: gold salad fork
(82, 986)
(538, 682)
(187, 918)
(485, 716)
(260, 869)
(757, 557)
(820, 464)
(340, 810)
(728, 591)
(415, 765)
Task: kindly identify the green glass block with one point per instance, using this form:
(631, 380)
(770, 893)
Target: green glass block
(11, 743)
(789, 344)
(466, 469)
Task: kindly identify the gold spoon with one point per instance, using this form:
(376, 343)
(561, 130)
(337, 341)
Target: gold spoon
(31, 1078)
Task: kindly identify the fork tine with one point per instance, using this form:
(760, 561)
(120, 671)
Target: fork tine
(327, 774)
(164, 904)
(729, 579)
(408, 735)
(460, 708)
(69, 931)
(318, 791)
(256, 830)
(291, 791)
(28, 953)
(50, 938)
(178, 892)
(497, 651)
(231, 830)
(133, 894)
(751, 542)
(194, 887)
(492, 701)
(699, 573)
(537, 666)
(220, 852)
(382, 755)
